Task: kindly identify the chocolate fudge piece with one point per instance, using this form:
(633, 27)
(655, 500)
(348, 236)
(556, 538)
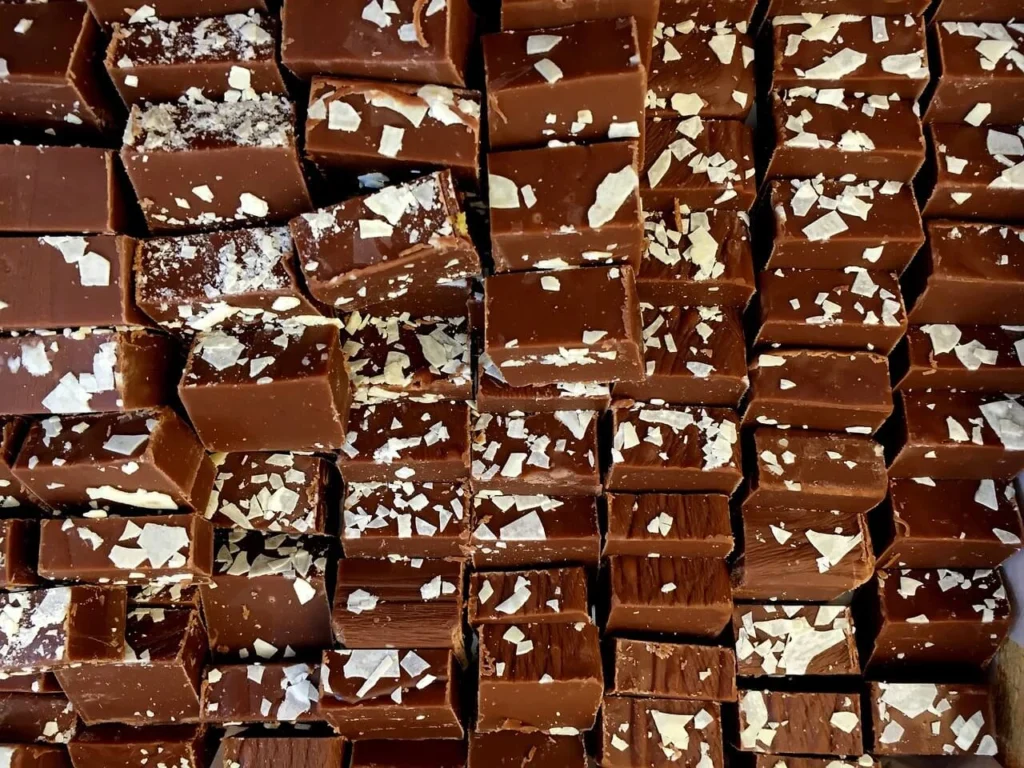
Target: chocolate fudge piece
(183, 160)
(508, 749)
(660, 732)
(27, 717)
(694, 259)
(529, 597)
(674, 671)
(385, 694)
(979, 528)
(788, 761)
(733, 11)
(236, 380)
(881, 228)
(668, 525)
(110, 11)
(583, 325)
(348, 121)
(704, 69)
(407, 439)
(973, 357)
(494, 395)
(938, 619)
(261, 693)
(415, 604)
(802, 554)
(259, 578)
(435, 753)
(702, 164)
(543, 677)
(411, 41)
(958, 435)
(819, 389)
(158, 60)
(932, 719)
(804, 723)
(565, 206)
(37, 682)
(120, 550)
(877, 55)
(546, 85)
(202, 281)
(158, 679)
(34, 183)
(872, 7)
(784, 640)
(159, 594)
(996, 10)
(292, 749)
(972, 274)
(125, 746)
(19, 550)
(853, 309)
(674, 449)
(141, 460)
(840, 133)
(412, 252)
(980, 78)
(34, 756)
(691, 355)
(517, 530)
(15, 499)
(58, 627)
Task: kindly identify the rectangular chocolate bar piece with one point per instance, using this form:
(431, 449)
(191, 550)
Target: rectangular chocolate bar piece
(283, 692)
(34, 756)
(27, 717)
(545, 84)
(184, 158)
(565, 206)
(981, 358)
(804, 723)
(659, 732)
(110, 11)
(668, 525)
(784, 640)
(932, 719)
(125, 746)
(508, 749)
(264, 748)
(19, 552)
(15, 499)
(673, 671)
(556, 595)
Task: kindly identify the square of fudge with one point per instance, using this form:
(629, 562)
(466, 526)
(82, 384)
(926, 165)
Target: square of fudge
(673, 671)
(528, 597)
(277, 692)
(646, 731)
(668, 525)
(124, 745)
(969, 357)
(48, 718)
(289, 749)
(802, 723)
(508, 749)
(785, 640)
(932, 719)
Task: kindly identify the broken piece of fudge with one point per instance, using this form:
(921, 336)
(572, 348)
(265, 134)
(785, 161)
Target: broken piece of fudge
(804, 723)
(281, 692)
(932, 719)
(528, 597)
(646, 731)
(783, 640)
(673, 671)
(668, 525)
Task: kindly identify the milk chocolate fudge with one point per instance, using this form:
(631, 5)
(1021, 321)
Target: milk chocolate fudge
(519, 531)
(236, 380)
(349, 123)
(565, 206)
(691, 355)
(34, 184)
(391, 694)
(508, 749)
(805, 723)
(674, 449)
(546, 85)
(283, 692)
(980, 74)
(157, 681)
(291, 749)
(853, 309)
(411, 41)
(110, 11)
(183, 160)
(659, 732)
(839, 133)
(937, 619)
(157, 594)
(825, 224)
(34, 756)
(995, 10)
(668, 525)
(696, 259)
(27, 717)
(544, 677)
(975, 357)
(529, 597)
(787, 761)
(876, 55)
(673, 671)
(702, 164)
(873, 7)
(494, 395)
(142, 460)
(932, 719)
(958, 435)
(19, 550)
(436, 753)
(979, 528)
(783, 640)
(258, 578)
(733, 11)
(15, 499)
(38, 682)
(819, 389)
(412, 252)
(125, 746)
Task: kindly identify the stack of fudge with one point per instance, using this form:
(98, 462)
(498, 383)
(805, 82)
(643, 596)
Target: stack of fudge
(417, 385)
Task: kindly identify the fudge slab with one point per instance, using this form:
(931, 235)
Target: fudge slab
(668, 525)
(804, 723)
(932, 719)
(673, 671)
(970, 357)
(782, 640)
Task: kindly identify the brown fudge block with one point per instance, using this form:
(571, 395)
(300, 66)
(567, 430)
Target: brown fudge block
(824, 224)
(668, 525)
(183, 160)
(19, 551)
(125, 746)
(431, 752)
(494, 395)
(972, 357)
(733, 11)
(788, 761)
(347, 120)
(141, 460)
(385, 693)
(110, 11)
(265, 749)
(258, 578)
(841, 133)
(544, 677)
(805, 723)
(565, 205)
(411, 41)
(546, 85)
(692, 355)
(258, 368)
(694, 259)
(518, 531)
(27, 717)
(261, 693)
(872, 7)
(702, 164)
(38, 682)
(676, 448)
(163, 595)
(932, 719)
(980, 524)
(508, 749)
(15, 499)
(660, 733)
(157, 682)
(35, 756)
(995, 10)
(673, 671)
(784, 640)
(556, 595)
